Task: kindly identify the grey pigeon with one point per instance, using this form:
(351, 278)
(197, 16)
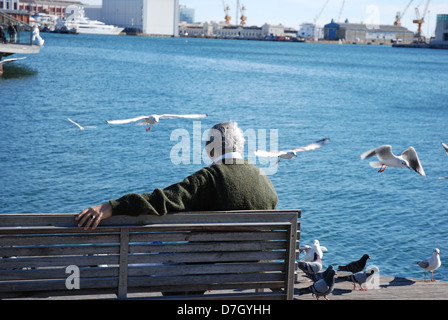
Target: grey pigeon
(355, 266)
(358, 278)
(318, 276)
(323, 287)
(311, 267)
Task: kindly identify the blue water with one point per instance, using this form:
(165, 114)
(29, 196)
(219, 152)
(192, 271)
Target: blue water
(359, 96)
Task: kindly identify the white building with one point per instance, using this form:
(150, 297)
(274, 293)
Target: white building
(310, 31)
(222, 30)
(441, 30)
(151, 17)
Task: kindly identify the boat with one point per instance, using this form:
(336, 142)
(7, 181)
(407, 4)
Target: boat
(46, 21)
(77, 22)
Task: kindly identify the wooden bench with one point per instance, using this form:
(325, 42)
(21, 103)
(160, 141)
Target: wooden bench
(234, 254)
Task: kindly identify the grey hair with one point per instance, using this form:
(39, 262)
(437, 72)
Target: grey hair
(231, 136)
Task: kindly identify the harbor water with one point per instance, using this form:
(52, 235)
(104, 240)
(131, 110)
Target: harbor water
(285, 94)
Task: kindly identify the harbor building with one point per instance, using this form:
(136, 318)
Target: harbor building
(441, 38)
(224, 30)
(150, 17)
(186, 14)
(364, 33)
(310, 31)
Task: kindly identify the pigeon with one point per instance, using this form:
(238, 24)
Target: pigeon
(408, 158)
(358, 278)
(309, 251)
(430, 264)
(355, 266)
(311, 266)
(288, 154)
(154, 118)
(318, 276)
(322, 287)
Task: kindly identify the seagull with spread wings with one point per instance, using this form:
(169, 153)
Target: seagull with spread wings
(289, 154)
(155, 118)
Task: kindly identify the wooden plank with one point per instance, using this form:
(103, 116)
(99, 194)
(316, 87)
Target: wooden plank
(207, 257)
(188, 269)
(68, 219)
(205, 236)
(124, 261)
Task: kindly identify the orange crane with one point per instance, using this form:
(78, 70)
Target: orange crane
(226, 10)
(243, 18)
(420, 20)
(400, 15)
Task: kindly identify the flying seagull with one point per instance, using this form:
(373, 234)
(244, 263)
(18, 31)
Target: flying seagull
(408, 158)
(445, 147)
(309, 251)
(76, 124)
(80, 126)
(10, 60)
(355, 266)
(322, 287)
(155, 118)
(288, 154)
(430, 264)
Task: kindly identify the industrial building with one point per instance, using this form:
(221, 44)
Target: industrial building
(150, 17)
(441, 31)
(224, 30)
(363, 33)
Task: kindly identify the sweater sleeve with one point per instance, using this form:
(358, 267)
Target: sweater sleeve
(187, 195)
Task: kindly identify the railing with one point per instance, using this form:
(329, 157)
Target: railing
(7, 20)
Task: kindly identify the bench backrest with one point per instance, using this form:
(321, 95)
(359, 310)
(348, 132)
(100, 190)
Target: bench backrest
(46, 254)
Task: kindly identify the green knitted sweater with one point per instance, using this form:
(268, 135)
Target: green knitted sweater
(219, 187)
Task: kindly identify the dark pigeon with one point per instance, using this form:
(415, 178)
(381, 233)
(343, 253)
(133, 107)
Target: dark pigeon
(355, 266)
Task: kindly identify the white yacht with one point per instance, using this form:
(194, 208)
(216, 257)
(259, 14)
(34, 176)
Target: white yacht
(77, 22)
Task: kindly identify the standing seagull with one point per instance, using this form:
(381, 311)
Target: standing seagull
(309, 251)
(288, 154)
(430, 264)
(355, 266)
(322, 287)
(155, 118)
(408, 158)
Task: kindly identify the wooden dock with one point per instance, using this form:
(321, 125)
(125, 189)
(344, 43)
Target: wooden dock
(389, 288)
(19, 48)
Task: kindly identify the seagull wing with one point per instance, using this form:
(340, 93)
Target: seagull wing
(313, 146)
(186, 116)
(75, 123)
(268, 154)
(445, 147)
(410, 155)
(382, 152)
(126, 120)
(10, 60)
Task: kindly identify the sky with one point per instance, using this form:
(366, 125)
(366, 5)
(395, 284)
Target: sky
(292, 13)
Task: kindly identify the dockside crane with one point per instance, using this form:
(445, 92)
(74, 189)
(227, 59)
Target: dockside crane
(400, 15)
(243, 17)
(340, 11)
(420, 20)
(317, 18)
(226, 10)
